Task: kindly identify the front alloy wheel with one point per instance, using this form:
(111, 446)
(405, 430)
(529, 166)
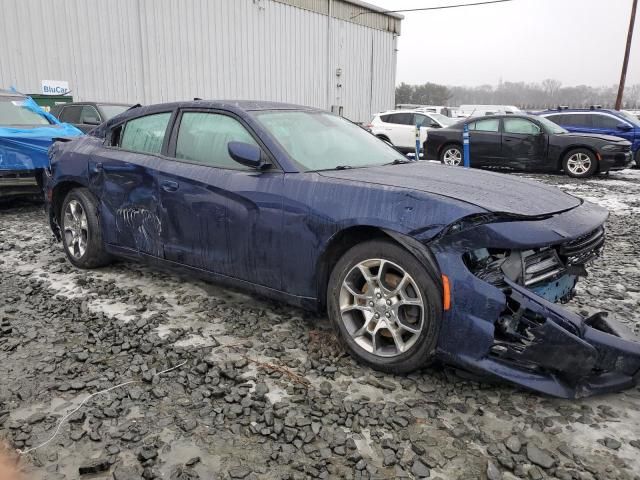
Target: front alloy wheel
(381, 307)
(580, 163)
(386, 306)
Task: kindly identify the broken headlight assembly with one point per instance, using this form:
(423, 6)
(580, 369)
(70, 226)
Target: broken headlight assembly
(551, 272)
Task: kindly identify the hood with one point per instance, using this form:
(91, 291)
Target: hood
(596, 136)
(493, 192)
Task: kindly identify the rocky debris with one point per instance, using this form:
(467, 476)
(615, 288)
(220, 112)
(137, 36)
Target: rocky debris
(539, 456)
(267, 392)
(94, 466)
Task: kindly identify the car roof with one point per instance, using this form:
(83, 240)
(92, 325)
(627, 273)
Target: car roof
(236, 106)
(498, 116)
(91, 102)
(580, 110)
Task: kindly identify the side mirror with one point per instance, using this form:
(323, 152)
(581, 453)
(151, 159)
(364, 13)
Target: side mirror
(247, 154)
(623, 127)
(435, 125)
(91, 121)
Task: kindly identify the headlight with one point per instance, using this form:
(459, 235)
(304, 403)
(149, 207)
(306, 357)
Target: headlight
(612, 148)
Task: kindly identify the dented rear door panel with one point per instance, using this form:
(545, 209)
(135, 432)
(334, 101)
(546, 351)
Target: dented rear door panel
(128, 193)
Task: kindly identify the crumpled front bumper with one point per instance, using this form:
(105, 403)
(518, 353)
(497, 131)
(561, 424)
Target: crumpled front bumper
(510, 333)
(566, 355)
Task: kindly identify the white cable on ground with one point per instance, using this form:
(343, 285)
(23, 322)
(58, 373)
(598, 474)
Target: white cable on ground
(24, 452)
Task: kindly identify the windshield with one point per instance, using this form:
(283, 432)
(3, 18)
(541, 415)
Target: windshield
(14, 113)
(442, 119)
(322, 141)
(110, 111)
(551, 127)
(631, 118)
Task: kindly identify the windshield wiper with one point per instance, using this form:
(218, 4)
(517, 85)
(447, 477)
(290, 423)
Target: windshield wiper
(342, 167)
(399, 161)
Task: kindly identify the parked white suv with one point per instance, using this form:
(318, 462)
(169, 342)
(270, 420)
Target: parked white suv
(399, 127)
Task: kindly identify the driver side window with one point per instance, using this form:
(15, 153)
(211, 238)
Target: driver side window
(203, 138)
(520, 126)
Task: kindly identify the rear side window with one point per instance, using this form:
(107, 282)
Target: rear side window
(520, 126)
(71, 114)
(489, 125)
(385, 118)
(557, 119)
(203, 138)
(89, 114)
(605, 122)
(401, 118)
(578, 120)
(145, 134)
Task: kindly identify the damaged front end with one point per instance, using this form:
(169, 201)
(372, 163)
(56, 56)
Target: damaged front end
(507, 279)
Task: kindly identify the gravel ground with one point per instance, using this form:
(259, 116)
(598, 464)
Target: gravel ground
(264, 392)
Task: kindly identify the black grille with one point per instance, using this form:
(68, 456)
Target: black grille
(584, 248)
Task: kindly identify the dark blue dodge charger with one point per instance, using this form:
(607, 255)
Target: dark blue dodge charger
(412, 261)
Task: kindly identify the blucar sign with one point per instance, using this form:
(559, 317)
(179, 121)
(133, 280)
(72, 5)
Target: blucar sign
(55, 87)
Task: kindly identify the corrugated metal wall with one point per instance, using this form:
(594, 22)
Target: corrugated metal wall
(151, 51)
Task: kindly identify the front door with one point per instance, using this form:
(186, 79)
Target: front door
(524, 144)
(124, 177)
(218, 215)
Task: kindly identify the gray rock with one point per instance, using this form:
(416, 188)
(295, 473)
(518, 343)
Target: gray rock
(420, 470)
(539, 456)
(513, 443)
(239, 472)
(493, 472)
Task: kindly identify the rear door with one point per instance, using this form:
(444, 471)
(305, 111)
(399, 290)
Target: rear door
(524, 144)
(125, 180)
(575, 122)
(485, 142)
(402, 129)
(218, 215)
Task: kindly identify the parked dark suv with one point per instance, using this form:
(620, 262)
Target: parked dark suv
(87, 115)
(601, 121)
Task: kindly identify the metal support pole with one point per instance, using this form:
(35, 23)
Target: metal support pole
(417, 142)
(625, 62)
(466, 155)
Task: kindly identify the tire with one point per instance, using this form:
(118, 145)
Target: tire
(637, 160)
(580, 163)
(81, 231)
(451, 154)
(369, 339)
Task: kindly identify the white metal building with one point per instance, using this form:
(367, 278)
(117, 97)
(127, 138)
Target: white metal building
(322, 53)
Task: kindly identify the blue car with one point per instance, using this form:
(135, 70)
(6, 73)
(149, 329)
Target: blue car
(413, 262)
(26, 133)
(600, 121)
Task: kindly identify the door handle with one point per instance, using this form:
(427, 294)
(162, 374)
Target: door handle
(169, 186)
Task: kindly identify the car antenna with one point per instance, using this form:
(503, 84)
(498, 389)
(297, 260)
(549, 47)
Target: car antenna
(137, 105)
(196, 98)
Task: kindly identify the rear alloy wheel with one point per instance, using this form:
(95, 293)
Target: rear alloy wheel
(451, 155)
(386, 307)
(580, 163)
(81, 231)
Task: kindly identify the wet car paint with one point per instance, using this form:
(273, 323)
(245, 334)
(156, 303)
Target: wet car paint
(275, 233)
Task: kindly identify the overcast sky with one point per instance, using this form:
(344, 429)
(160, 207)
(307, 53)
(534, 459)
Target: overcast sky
(575, 41)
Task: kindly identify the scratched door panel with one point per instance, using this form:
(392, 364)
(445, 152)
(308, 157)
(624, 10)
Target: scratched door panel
(129, 200)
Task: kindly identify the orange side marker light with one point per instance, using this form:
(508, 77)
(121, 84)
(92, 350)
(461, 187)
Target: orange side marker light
(446, 292)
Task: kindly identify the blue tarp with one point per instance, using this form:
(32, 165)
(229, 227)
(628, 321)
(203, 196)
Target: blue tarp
(26, 148)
